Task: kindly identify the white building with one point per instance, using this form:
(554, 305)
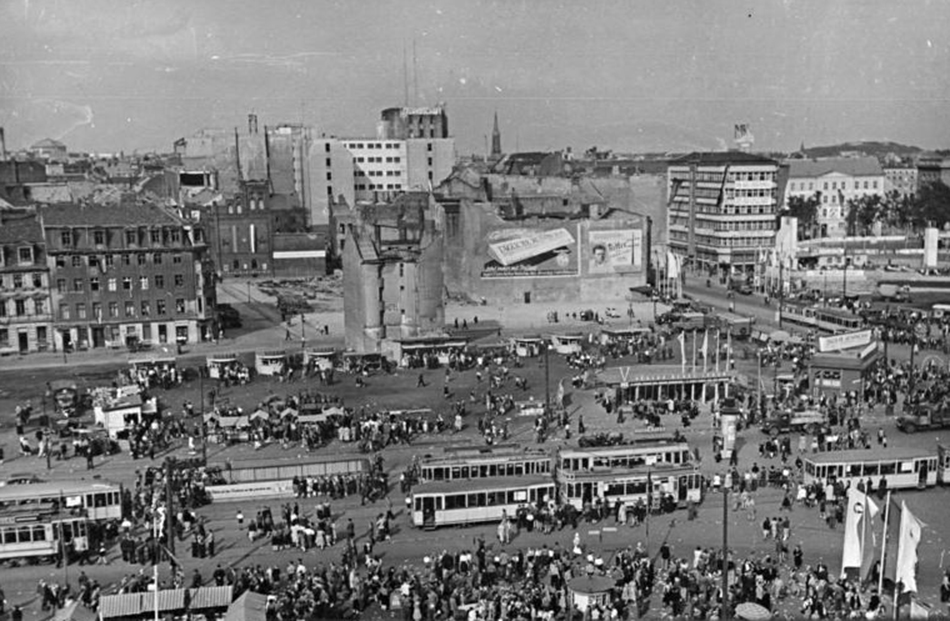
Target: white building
(836, 181)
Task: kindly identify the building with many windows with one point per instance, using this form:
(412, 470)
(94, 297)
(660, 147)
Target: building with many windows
(24, 285)
(384, 168)
(900, 179)
(722, 210)
(933, 168)
(403, 123)
(121, 275)
(835, 181)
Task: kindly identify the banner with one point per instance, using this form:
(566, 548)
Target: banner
(682, 339)
(858, 523)
(522, 252)
(906, 569)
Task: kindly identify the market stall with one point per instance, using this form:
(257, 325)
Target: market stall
(270, 362)
(319, 359)
(218, 364)
(616, 336)
(152, 372)
(119, 409)
(427, 352)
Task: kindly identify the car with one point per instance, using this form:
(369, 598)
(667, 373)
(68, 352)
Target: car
(744, 289)
(22, 478)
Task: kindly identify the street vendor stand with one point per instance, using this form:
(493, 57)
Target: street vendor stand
(839, 366)
(146, 364)
(322, 360)
(567, 344)
(270, 362)
(588, 591)
(118, 409)
(615, 336)
(527, 346)
(217, 363)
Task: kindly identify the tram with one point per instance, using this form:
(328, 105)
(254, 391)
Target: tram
(40, 532)
(503, 462)
(645, 452)
(96, 501)
(471, 502)
(829, 320)
(661, 487)
(900, 468)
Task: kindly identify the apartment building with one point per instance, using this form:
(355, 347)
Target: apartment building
(25, 317)
(835, 181)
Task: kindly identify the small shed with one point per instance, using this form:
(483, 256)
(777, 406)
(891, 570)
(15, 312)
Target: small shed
(567, 344)
(587, 591)
(218, 362)
(270, 362)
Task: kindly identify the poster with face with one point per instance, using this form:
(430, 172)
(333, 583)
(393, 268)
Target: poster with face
(615, 251)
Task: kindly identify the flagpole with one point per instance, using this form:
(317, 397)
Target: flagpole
(694, 351)
(880, 569)
(864, 532)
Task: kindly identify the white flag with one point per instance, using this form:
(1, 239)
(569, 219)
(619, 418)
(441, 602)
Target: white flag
(858, 525)
(672, 265)
(704, 350)
(682, 339)
(906, 570)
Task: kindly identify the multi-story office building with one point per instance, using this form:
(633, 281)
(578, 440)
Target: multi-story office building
(125, 274)
(835, 181)
(933, 168)
(403, 123)
(900, 179)
(24, 285)
(384, 168)
(722, 210)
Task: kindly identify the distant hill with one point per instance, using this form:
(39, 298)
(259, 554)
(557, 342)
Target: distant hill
(873, 148)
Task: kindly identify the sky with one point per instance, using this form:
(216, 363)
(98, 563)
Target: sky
(643, 75)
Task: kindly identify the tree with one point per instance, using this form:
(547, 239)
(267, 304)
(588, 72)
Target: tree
(931, 206)
(805, 208)
(862, 213)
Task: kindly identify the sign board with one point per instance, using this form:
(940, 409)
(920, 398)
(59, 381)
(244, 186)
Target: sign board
(243, 491)
(844, 341)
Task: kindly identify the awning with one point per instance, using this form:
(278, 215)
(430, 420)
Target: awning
(250, 606)
(260, 414)
(288, 412)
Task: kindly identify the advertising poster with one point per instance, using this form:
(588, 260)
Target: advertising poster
(526, 253)
(615, 251)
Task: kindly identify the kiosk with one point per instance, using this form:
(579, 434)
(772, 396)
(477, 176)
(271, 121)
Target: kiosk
(320, 360)
(567, 344)
(218, 362)
(616, 336)
(270, 362)
(587, 591)
(527, 346)
(118, 409)
(833, 370)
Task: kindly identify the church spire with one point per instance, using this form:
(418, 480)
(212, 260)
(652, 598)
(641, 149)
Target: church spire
(496, 139)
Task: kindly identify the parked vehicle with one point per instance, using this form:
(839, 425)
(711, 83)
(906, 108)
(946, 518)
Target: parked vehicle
(924, 417)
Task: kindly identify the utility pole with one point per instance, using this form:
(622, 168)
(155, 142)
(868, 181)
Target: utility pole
(169, 491)
(201, 420)
(724, 613)
(547, 382)
(781, 288)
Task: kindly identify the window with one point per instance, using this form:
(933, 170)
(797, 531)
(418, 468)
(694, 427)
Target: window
(126, 283)
(60, 260)
(25, 254)
(94, 261)
(112, 284)
(159, 281)
(428, 146)
(131, 237)
(329, 176)
(155, 235)
(18, 281)
(180, 305)
(130, 309)
(143, 283)
(157, 258)
(99, 238)
(77, 261)
(430, 161)
(113, 309)
(66, 238)
(874, 184)
(39, 308)
(94, 284)
(77, 285)
(175, 236)
(64, 311)
(61, 285)
(179, 281)
(96, 310)
(176, 259)
(109, 260)
(146, 309)
(159, 307)
(20, 307)
(126, 259)
(81, 310)
(37, 281)
(140, 258)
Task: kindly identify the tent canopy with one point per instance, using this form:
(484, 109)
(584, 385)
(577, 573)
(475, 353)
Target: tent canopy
(250, 606)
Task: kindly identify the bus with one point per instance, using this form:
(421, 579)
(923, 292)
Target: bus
(901, 468)
(661, 487)
(642, 452)
(40, 532)
(96, 501)
(470, 502)
(503, 462)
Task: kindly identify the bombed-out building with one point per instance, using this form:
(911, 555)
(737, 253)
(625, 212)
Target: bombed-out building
(392, 274)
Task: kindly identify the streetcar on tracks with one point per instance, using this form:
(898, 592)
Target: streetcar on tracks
(909, 468)
(41, 531)
(452, 503)
(95, 501)
(829, 320)
(641, 452)
(661, 487)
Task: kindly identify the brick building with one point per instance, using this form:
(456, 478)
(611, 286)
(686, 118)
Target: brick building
(24, 285)
(124, 274)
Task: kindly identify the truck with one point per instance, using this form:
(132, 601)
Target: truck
(739, 326)
(808, 420)
(923, 417)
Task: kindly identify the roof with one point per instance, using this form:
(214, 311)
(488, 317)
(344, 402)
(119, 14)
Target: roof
(852, 166)
(250, 606)
(722, 158)
(135, 604)
(20, 228)
(48, 143)
(482, 485)
(645, 443)
(66, 488)
(877, 455)
(89, 215)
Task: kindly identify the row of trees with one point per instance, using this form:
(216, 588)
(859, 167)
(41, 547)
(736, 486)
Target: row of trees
(895, 212)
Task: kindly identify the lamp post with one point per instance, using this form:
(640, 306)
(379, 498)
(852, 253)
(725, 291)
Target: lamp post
(724, 614)
(547, 381)
(201, 420)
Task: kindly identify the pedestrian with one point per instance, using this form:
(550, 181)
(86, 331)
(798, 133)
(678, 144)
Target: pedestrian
(421, 382)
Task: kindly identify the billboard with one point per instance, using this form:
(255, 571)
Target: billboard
(615, 251)
(530, 253)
